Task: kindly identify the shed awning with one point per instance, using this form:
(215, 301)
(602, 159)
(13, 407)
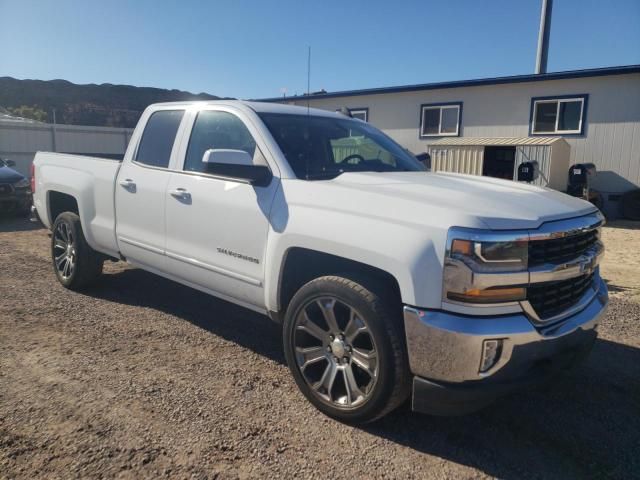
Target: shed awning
(491, 141)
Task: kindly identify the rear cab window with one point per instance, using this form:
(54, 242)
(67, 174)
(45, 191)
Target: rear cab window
(158, 138)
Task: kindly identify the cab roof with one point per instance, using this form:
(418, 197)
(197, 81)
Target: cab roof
(258, 107)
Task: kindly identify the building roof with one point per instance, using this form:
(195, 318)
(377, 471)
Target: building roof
(541, 77)
(495, 141)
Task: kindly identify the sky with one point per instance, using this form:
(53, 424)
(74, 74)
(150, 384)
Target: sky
(254, 49)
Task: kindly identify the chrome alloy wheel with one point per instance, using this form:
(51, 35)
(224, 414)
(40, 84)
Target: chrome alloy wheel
(64, 250)
(335, 351)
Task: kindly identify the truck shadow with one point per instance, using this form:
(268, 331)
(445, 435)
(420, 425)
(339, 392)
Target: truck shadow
(229, 321)
(585, 425)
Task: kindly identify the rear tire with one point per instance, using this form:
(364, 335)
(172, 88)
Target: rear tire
(75, 263)
(345, 347)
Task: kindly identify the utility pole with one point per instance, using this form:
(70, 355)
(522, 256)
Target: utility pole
(543, 36)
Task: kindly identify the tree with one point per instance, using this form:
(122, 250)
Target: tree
(32, 112)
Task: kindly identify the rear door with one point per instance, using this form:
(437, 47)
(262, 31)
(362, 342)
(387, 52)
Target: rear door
(141, 189)
(217, 228)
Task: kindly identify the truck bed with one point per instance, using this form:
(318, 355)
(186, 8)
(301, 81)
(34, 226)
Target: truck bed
(91, 180)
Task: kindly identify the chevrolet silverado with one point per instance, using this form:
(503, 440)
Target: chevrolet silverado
(389, 282)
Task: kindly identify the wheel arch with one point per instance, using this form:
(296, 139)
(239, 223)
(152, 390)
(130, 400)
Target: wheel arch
(59, 202)
(301, 265)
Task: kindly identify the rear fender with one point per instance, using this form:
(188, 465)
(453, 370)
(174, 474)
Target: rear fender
(94, 199)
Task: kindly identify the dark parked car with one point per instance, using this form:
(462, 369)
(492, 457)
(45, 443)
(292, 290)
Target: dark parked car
(15, 189)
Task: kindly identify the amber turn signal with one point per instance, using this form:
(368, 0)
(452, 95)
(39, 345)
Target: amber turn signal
(491, 295)
(462, 247)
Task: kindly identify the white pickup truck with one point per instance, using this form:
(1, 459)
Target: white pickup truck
(388, 281)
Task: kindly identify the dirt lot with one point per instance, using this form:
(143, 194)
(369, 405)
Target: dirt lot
(141, 377)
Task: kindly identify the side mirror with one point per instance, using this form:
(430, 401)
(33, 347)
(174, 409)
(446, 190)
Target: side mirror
(235, 165)
(10, 163)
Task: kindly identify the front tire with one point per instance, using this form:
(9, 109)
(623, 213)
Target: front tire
(75, 263)
(345, 348)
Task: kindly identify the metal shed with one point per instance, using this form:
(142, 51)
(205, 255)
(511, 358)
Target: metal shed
(477, 156)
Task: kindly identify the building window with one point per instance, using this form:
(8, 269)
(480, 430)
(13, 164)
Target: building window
(441, 120)
(360, 113)
(559, 115)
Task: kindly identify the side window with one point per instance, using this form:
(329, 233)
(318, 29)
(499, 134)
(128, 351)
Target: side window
(158, 137)
(214, 129)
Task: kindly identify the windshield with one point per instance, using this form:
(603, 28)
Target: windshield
(324, 147)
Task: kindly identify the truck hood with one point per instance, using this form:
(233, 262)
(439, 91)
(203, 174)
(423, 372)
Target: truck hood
(459, 200)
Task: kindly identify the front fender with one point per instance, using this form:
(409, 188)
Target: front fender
(406, 252)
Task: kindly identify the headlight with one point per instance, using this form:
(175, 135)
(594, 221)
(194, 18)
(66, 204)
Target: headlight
(24, 183)
(487, 255)
(474, 268)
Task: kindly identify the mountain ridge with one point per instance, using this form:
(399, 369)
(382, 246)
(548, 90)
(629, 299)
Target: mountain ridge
(105, 104)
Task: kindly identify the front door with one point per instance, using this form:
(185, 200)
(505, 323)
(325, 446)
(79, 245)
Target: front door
(217, 229)
(141, 190)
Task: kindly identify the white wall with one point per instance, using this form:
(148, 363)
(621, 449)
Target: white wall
(611, 138)
(20, 141)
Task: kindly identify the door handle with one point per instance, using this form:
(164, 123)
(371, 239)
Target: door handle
(127, 183)
(180, 193)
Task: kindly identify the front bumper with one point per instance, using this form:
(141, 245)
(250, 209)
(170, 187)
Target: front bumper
(446, 350)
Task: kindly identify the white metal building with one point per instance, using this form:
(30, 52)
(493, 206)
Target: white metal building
(595, 112)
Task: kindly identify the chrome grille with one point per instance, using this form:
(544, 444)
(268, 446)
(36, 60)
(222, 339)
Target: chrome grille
(551, 298)
(558, 250)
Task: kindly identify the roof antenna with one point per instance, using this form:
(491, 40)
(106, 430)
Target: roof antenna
(308, 77)
(306, 157)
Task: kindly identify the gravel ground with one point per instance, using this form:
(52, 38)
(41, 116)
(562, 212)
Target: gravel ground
(141, 377)
(621, 267)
